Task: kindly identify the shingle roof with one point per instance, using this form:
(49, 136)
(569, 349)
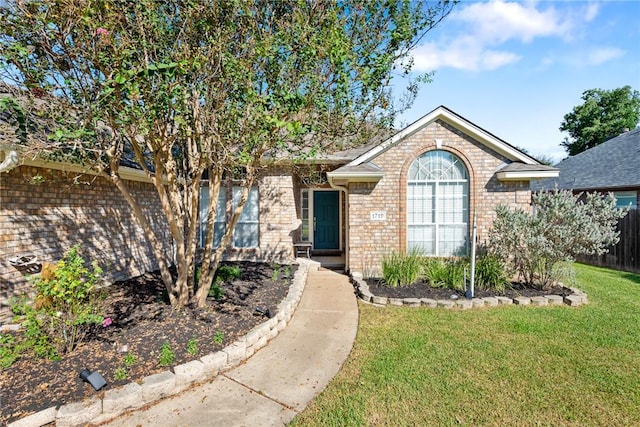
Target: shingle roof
(612, 164)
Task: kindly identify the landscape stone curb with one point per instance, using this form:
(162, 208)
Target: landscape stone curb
(576, 299)
(158, 386)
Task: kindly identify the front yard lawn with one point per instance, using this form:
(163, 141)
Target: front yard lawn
(497, 366)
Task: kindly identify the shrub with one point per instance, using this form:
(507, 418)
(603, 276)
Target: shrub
(216, 290)
(562, 226)
(192, 346)
(490, 273)
(167, 356)
(9, 351)
(67, 305)
(218, 337)
(228, 272)
(120, 374)
(445, 273)
(401, 269)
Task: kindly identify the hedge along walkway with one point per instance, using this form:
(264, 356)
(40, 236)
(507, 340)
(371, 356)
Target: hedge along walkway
(576, 299)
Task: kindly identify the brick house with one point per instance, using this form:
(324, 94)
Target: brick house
(422, 187)
(417, 189)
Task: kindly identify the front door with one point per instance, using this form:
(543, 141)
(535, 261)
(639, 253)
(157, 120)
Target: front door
(326, 211)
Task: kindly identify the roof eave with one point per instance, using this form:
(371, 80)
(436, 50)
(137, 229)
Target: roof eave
(127, 173)
(526, 175)
(343, 178)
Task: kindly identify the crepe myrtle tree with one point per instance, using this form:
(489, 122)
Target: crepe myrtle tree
(560, 226)
(203, 89)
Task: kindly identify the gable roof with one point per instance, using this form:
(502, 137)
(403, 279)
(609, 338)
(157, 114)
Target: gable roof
(522, 166)
(613, 164)
(458, 122)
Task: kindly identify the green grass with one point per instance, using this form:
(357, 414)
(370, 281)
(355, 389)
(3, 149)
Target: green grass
(551, 366)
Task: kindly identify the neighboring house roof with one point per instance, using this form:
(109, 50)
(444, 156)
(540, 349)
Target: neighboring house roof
(522, 166)
(613, 164)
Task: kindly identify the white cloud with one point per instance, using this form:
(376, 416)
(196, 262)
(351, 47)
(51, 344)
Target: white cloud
(498, 21)
(464, 54)
(604, 54)
(591, 12)
(478, 31)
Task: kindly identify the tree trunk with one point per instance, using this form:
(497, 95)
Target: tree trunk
(156, 245)
(211, 261)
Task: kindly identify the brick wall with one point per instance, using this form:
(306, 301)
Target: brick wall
(46, 216)
(278, 218)
(369, 240)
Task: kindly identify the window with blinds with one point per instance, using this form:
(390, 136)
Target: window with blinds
(220, 222)
(438, 204)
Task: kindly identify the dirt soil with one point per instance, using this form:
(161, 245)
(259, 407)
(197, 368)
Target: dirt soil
(424, 290)
(141, 322)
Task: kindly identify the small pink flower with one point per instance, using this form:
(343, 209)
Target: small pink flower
(106, 322)
(102, 32)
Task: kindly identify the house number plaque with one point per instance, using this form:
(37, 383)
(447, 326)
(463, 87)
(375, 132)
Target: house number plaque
(378, 215)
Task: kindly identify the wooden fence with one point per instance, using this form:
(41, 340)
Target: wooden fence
(626, 254)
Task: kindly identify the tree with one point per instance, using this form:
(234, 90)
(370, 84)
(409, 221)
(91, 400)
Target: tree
(189, 89)
(603, 115)
(562, 226)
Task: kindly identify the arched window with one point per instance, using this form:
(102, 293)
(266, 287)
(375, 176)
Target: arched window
(438, 204)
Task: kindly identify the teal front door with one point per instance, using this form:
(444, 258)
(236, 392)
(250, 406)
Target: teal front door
(326, 210)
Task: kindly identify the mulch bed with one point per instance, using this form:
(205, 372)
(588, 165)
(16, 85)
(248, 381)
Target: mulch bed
(423, 289)
(141, 322)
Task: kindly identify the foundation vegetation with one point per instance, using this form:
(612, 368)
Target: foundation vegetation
(539, 245)
(406, 270)
(138, 333)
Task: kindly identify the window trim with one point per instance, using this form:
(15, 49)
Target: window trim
(437, 204)
(226, 205)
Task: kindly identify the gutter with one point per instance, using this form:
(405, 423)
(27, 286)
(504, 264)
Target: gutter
(12, 160)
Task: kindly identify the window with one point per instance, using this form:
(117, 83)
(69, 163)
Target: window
(626, 199)
(438, 204)
(220, 224)
(247, 230)
(304, 201)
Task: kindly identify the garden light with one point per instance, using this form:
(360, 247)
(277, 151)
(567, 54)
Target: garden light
(93, 378)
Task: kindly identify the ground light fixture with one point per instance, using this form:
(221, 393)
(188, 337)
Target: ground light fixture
(263, 312)
(93, 378)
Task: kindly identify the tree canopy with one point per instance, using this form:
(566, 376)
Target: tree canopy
(199, 90)
(603, 115)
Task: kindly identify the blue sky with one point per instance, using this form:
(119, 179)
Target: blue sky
(516, 68)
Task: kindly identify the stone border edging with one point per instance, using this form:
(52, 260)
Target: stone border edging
(152, 388)
(576, 299)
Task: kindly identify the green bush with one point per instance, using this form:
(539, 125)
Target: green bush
(216, 290)
(228, 272)
(446, 272)
(67, 306)
(167, 356)
(401, 269)
(561, 226)
(435, 271)
(491, 273)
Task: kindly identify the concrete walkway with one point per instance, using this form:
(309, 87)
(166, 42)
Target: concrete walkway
(277, 382)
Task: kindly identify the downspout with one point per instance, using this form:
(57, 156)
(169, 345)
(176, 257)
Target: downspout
(10, 161)
(345, 190)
